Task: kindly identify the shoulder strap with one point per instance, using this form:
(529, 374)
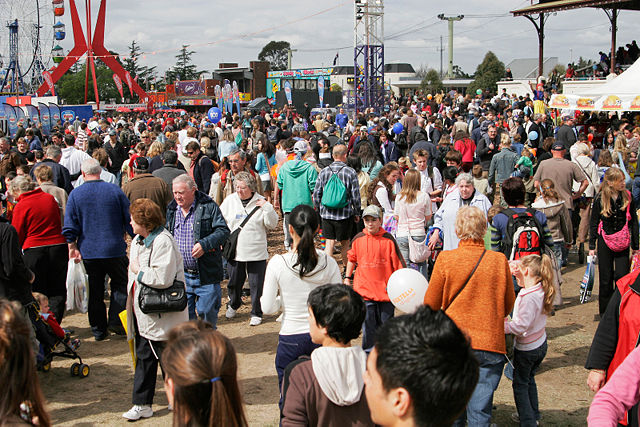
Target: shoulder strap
(244, 222)
(466, 281)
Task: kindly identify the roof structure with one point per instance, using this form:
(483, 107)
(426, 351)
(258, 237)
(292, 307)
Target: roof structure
(546, 6)
(527, 68)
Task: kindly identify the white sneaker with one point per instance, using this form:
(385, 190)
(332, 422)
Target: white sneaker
(231, 313)
(255, 321)
(137, 412)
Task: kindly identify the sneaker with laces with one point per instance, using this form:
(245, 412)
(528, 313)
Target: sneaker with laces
(137, 412)
(231, 313)
(255, 321)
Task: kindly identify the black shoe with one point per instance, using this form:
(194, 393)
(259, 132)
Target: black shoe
(246, 292)
(117, 329)
(102, 336)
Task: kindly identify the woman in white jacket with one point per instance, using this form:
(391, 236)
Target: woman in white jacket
(251, 251)
(590, 169)
(155, 261)
(295, 274)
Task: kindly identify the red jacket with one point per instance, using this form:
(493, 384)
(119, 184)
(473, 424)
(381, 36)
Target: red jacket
(376, 257)
(36, 218)
(629, 321)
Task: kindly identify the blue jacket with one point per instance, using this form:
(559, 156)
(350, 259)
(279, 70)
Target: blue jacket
(210, 230)
(97, 216)
(390, 152)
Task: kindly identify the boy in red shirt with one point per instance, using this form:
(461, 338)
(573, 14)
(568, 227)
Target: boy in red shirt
(376, 254)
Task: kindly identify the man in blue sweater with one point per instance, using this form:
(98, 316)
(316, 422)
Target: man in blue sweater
(96, 219)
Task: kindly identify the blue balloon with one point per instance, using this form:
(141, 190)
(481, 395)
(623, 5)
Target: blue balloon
(398, 128)
(533, 135)
(215, 114)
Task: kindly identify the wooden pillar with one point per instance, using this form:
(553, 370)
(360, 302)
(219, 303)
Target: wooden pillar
(614, 29)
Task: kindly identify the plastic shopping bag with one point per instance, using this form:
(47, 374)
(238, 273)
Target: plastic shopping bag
(77, 287)
(390, 224)
(586, 285)
(635, 262)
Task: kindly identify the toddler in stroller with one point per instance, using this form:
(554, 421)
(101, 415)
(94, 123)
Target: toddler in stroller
(50, 336)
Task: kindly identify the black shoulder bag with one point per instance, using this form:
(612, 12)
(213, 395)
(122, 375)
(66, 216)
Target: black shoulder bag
(229, 248)
(465, 282)
(167, 300)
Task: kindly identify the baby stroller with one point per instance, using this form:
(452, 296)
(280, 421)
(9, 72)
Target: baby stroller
(53, 346)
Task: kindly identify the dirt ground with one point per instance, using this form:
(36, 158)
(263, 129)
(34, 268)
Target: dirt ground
(105, 394)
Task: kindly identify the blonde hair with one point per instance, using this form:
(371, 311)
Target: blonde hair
(410, 186)
(525, 153)
(541, 268)
(611, 176)
(548, 191)
(40, 297)
(620, 147)
(471, 223)
(155, 149)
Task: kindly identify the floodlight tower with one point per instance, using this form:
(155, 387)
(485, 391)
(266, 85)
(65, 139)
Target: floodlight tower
(368, 32)
(451, 20)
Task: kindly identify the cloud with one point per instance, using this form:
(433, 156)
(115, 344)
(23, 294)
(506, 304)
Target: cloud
(164, 26)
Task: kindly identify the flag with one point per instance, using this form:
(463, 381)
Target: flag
(335, 60)
(118, 82)
(49, 80)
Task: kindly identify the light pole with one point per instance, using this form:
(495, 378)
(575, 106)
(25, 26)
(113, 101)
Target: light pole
(451, 20)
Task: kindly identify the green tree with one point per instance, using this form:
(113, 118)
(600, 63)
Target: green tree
(276, 54)
(431, 81)
(335, 87)
(488, 73)
(70, 87)
(184, 68)
(146, 75)
(459, 74)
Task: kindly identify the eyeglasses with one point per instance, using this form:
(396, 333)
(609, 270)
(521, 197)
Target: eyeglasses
(189, 152)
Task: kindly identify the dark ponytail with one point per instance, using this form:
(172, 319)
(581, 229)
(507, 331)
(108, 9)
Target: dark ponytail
(304, 221)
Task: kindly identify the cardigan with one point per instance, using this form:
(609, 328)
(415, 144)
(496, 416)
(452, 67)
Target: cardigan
(36, 218)
(480, 308)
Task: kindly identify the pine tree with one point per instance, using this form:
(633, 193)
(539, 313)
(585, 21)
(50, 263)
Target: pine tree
(488, 73)
(184, 69)
(132, 65)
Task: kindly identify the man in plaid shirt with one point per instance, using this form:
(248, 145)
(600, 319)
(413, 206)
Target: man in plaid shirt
(338, 224)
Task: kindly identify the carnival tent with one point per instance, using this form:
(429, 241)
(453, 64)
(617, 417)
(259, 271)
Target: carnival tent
(621, 93)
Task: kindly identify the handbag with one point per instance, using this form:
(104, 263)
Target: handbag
(229, 247)
(620, 240)
(166, 300)
(465, 282)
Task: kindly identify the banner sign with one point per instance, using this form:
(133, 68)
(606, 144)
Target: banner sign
(236, 95)
(54, 110)
(311, 72)
(321, 90)
(12, 118)
(45, 118)
(190, 88)
(33, 114)
(22, 118)
(118, 81)
(49, 80)
(610, 102)
(287, 91)
(127, 76)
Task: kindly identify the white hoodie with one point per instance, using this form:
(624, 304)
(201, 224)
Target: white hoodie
(283, 276)
(340, 372)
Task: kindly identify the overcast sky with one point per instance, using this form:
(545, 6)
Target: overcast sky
(237, 31)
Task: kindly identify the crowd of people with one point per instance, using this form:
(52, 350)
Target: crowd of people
(465, 190)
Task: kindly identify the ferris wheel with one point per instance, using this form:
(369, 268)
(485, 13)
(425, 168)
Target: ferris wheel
(27, 37)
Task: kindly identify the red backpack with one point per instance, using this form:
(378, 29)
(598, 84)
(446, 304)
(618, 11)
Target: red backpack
(523, 235)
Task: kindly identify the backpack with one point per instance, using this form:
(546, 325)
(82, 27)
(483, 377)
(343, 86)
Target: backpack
(334, 195)
(523, 235)
(272, 134)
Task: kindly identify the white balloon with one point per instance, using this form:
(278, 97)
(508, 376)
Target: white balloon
(406, 289)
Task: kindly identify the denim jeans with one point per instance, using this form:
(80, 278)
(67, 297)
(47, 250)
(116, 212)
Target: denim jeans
(290, 347)
(403, 244)
(203, 299)
(378, 312)
(479, 408)
(561, 253)
(525, 392)
(635, 190)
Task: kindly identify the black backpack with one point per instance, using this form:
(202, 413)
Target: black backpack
(272, 134)
(523, 234)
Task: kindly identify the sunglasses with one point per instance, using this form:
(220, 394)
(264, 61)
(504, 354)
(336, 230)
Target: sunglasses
(189, 152)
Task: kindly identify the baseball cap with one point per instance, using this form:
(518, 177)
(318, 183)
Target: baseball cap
(558, 146)
(141, 163)
(372, 210)
(300, 147)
